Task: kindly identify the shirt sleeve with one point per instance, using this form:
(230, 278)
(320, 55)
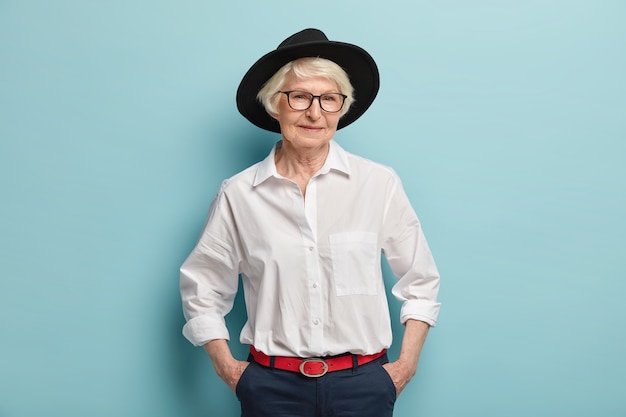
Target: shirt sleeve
(410, 259)
(209, 276)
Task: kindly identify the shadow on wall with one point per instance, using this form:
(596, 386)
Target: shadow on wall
(199, 391)
(242, 146)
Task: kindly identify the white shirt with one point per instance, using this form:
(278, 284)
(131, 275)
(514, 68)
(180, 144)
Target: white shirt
(310, 267)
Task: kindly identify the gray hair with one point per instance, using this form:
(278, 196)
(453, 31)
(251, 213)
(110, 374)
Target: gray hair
(304, 68)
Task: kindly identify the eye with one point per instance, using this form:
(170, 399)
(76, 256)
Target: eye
(299, 95)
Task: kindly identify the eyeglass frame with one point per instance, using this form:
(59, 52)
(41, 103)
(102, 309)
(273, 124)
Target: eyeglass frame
(313, 97)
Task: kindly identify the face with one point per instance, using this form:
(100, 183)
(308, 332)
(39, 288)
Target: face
(311, 128)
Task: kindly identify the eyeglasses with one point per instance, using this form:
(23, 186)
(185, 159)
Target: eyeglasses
(302, 100)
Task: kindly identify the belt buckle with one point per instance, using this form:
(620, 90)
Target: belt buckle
(313, 360)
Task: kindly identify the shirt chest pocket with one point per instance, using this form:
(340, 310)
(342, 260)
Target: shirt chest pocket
(354, 256)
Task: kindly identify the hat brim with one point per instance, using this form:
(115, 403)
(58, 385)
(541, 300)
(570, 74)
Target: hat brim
(357, 63)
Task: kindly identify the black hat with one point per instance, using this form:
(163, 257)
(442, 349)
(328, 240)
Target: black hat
(357, 63)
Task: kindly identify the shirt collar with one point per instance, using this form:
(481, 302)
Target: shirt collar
(337, 159)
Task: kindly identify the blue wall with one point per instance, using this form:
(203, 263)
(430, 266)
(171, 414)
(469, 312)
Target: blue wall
(506, 121)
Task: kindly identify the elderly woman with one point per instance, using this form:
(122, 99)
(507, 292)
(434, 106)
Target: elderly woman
(305, 229)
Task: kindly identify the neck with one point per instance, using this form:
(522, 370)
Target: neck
(299, 165)
(299, 162)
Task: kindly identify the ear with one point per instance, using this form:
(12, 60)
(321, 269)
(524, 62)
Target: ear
(274, 115)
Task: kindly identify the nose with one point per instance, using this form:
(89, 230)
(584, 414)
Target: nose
(315, 111)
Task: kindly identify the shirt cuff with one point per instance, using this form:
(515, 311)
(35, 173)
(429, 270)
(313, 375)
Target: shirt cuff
(202, 329)
(423, 310)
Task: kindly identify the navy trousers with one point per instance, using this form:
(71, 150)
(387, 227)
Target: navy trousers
(363, 391)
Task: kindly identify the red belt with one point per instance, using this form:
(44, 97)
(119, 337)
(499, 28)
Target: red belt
(312, 367)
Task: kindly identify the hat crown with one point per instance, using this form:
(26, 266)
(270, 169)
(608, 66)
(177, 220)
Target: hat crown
(304, 36)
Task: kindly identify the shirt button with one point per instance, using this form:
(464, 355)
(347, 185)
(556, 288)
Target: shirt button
(315, 285)
(316, 322)
(311, 248)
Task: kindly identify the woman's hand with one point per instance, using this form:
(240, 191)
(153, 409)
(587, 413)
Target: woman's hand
(402, 370)
(231, 372)
(400, 374)
(226, 366)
